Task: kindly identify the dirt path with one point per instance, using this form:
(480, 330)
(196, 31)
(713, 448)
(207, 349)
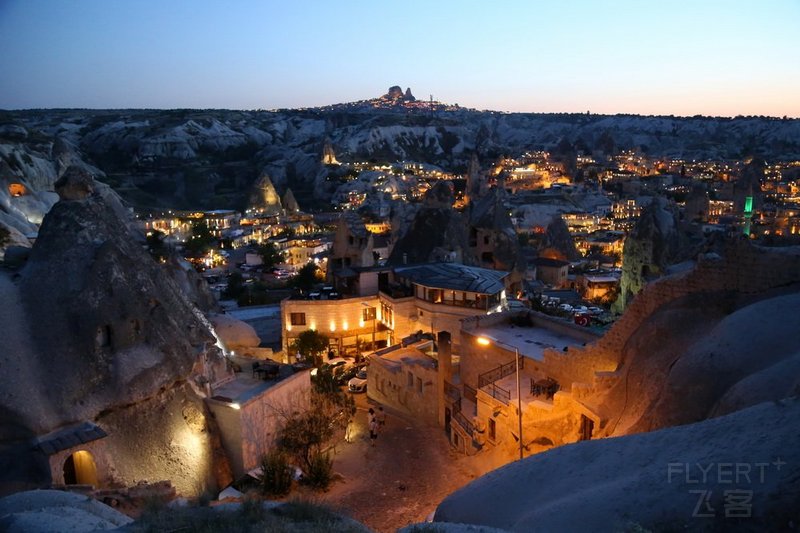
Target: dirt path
(401, 479)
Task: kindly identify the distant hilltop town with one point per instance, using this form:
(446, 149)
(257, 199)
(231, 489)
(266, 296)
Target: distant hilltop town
(395, 100)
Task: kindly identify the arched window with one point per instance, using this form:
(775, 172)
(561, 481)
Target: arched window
(80, 469)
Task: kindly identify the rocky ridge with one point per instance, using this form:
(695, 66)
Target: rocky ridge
(222, 153)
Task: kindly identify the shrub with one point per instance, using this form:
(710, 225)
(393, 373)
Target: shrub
(320, 471)
(277, 474)
(252, 510)
(307, 511)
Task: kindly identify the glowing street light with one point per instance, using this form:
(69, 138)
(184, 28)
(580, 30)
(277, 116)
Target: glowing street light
(486, 340)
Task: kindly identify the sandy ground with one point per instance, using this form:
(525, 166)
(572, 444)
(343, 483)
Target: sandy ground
(401, 479)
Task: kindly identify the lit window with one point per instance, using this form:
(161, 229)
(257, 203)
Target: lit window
(297, 319)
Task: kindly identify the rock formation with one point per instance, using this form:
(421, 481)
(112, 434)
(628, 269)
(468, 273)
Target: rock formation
(191, 284)
(649, 481)
(653, 244)
(235, 334)
(715, 337)
(438, 232)
(476, 181)
(264, 197)
(328, 155)
(96, 333)
(395, 92)
(696, 207)
(289, 202)
(491, 233)
(558, 239)
(713, 362)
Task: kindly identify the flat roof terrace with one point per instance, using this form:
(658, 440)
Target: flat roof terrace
(530, 341)
(248, 384)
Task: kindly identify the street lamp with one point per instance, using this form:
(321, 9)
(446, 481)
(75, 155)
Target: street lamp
(486, 340)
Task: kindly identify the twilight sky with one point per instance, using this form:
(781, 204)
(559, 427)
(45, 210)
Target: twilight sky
(682, 57)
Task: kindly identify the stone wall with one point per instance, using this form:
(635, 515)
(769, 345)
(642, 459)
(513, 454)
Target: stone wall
(408, 384)
(264, 416)
(249, 432)
(743, 268)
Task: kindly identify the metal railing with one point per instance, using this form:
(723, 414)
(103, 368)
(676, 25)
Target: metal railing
(462, 420)
(465, 424)
(497, 392)
(486, 381)
(470, 393)
(499, 373)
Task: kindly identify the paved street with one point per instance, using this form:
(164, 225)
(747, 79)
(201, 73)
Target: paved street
(399, 481)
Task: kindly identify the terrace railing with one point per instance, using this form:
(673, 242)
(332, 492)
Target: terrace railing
(486, 381)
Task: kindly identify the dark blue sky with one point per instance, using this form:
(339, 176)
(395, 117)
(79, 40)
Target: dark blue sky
(680, 57)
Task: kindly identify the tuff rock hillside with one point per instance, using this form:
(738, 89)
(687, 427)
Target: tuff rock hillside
(95, 333)
(212, 158)
(651, 481)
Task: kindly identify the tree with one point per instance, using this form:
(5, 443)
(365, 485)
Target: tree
(311, 343)
(306, 277)
(156, 246)
(201, 239)
(306, 435)
(270, 254)
(235, 286)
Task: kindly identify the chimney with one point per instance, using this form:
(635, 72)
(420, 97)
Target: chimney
(444, 373)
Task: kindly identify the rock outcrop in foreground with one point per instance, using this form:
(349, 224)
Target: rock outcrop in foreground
(653, 480)
(55, 510)
(96, 333)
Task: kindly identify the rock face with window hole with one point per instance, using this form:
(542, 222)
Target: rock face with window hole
(96, 329)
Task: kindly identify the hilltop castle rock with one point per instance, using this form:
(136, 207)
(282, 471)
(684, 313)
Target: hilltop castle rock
(395, 92)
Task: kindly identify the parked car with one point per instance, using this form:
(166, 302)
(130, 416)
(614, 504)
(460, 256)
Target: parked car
(344, 373)
(336, 361)
(337, 366)
(359, 382)
(514, 304)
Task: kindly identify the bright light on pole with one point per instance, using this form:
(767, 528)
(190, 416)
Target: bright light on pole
(485, 340)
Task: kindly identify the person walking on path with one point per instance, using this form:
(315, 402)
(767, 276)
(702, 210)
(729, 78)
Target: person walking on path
(373, 431)
(381, 418)
(348, 431)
